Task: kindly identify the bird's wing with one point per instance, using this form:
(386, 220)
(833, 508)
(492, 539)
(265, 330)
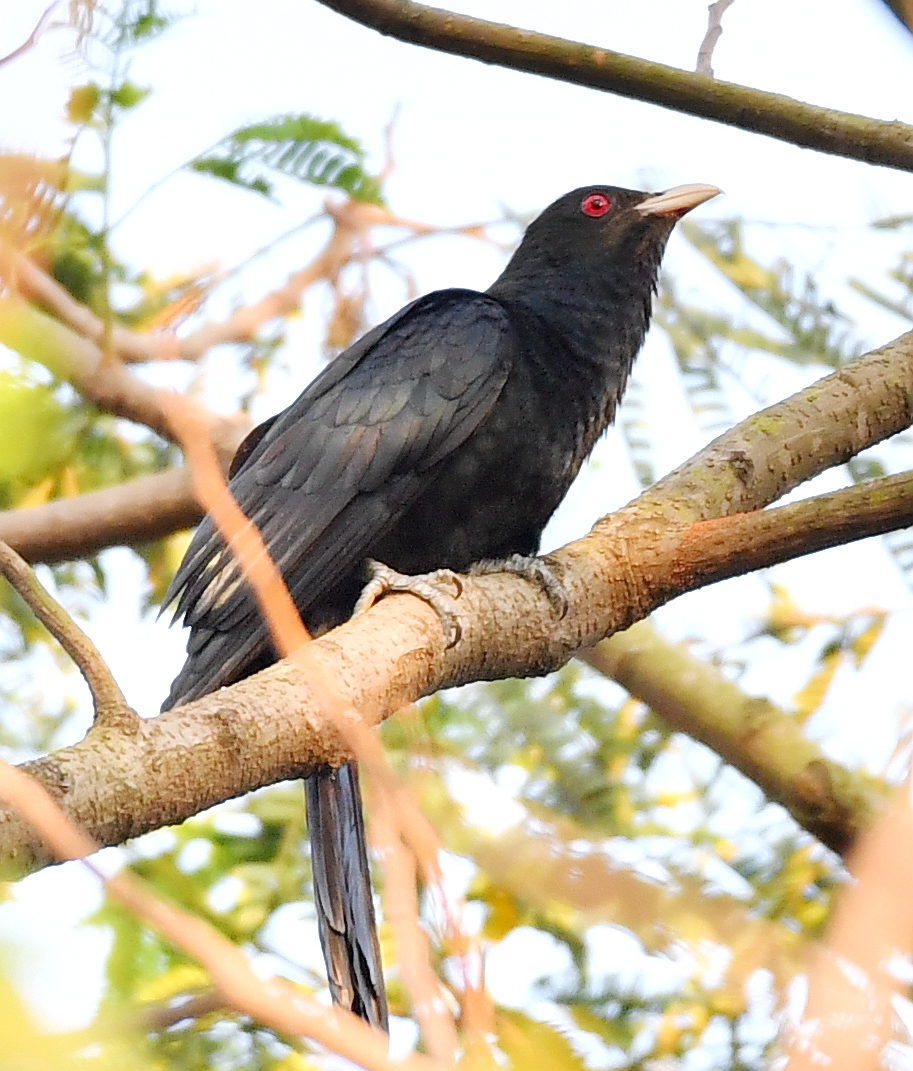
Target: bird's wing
(339, 467)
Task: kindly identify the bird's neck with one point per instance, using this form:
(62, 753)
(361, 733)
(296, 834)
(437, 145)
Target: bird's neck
(598, 323)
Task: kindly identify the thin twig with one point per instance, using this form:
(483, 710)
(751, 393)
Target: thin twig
(389, 157)
(714, 30)
(110, 704)
(32, 38)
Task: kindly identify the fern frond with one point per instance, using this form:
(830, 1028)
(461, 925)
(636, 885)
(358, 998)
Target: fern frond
(301, 147)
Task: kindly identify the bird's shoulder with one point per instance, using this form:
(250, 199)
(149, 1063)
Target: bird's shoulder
(393, 400)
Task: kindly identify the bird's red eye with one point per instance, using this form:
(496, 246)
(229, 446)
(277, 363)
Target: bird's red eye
(595, 204)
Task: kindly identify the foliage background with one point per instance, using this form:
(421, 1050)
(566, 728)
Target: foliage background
(638, 899)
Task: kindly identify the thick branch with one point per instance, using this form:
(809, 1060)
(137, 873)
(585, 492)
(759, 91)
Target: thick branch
(889, 144)
(764, 742)
(137, 511)
(270, 727)
(743, 542)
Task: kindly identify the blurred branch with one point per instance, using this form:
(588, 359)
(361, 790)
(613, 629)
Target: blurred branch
(272, 1002)
(543, 860)
(714, 31)
(100, 378)
(111, 707)
(850, 1016)
(32, 39)
(158, 1017)
(889, 144)
(350, 240)
(903, 9)
(138, 511)
(760, 739)
(273, 726)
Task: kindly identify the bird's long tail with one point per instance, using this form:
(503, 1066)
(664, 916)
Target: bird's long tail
(342, 892)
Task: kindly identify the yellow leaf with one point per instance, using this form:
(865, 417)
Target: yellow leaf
(668, 1034)
(745, 272)
(617, 766)
(812, 695)
(863, 644)
(503, 915)
(784, 612)
(181, 978)
(37, 495)
(727, 1003)
(82, 103)
(628, 719)
(69, 484)
(812, 914)
(726, 849)
(672, 799)
(531, 1045)
(294, 1062)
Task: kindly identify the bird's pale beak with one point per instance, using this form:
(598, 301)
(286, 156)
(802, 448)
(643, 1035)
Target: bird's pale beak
(677, 201)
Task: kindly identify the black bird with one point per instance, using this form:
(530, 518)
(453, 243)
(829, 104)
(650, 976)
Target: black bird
(445, 436)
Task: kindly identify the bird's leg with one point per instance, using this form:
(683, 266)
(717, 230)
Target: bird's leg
(427, 587)
(536, 570)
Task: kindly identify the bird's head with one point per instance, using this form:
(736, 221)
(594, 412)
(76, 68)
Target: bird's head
(603, 230)
(588, 266)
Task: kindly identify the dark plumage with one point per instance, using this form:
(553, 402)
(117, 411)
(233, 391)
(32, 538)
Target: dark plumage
(447, 435)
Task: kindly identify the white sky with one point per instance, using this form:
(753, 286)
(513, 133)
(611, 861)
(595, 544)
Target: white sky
(470, 138)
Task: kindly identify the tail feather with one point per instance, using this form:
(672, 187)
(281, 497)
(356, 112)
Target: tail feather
(342, 893)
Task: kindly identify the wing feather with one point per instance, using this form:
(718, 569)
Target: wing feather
(335, 471)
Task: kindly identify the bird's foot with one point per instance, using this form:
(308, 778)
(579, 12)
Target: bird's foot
(536, 570)
(427, 587)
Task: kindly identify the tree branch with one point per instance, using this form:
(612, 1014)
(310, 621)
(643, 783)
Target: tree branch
(713, 34)
(352, 221)
(752, 734)
(110, 705)
(33, 37)
(138, 511)
(889, 144)
(99, 377)
(270, 727)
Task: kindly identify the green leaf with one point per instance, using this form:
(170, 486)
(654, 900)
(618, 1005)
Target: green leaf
(295, 146)
(135, 22)
(36, 432)
(231, 172)
(128, 95)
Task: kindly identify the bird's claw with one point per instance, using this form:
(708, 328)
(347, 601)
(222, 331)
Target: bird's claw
(536, 570)
(427, 587)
